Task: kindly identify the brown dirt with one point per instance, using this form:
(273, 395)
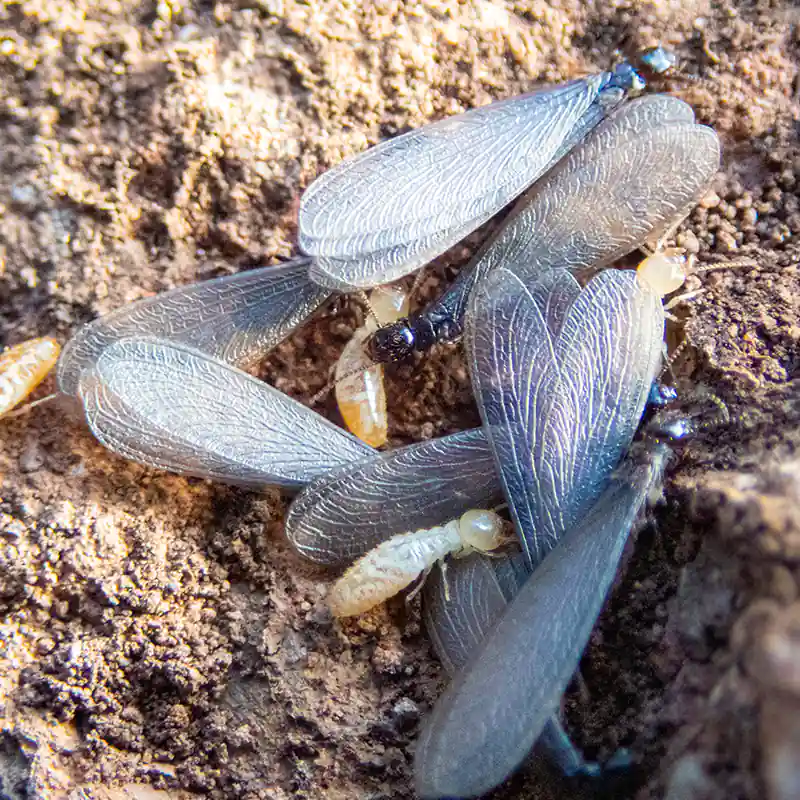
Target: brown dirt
(158, 638)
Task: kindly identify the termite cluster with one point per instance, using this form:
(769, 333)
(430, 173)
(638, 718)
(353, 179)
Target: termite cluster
(562, 375)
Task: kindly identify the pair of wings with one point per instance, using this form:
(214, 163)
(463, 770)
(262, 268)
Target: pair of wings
(516, 641)
(632, 178)
(379, 216)
(235, 320)
(232, 321)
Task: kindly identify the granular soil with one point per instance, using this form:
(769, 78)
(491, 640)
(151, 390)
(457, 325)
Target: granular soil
(159, 640)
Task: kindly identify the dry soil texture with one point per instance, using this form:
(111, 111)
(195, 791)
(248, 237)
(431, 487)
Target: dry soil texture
(158, 638)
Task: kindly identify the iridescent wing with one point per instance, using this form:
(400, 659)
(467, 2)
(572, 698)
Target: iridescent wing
(170, 407)
(236, 318)
(461, 609)
(499, 704)
(379, 216)
(561, 376)
(633, 178)
(345, 513)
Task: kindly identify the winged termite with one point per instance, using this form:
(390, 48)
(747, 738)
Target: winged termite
(562, 376)
(23, 367)
(381, 215)
(505, 697)
(350, 510)
(172, 407)
(633, 178)
(461, 609)
(236, 318)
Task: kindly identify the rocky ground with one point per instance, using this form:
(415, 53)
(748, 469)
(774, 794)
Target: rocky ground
(158, 639)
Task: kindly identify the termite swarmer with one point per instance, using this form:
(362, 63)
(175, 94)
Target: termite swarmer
(558, 430)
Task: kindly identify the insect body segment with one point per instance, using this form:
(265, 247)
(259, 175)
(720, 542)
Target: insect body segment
(396, 563)
(23, 368)
(359, 381)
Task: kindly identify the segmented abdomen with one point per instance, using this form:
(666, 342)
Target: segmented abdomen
(390, 567)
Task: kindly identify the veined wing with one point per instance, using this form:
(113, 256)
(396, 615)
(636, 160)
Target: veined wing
(431, 186)
(461, 609)
(560, 394)
(498, 705)
(348, 511)
(634, 177)
(168, 406)
(236, 318)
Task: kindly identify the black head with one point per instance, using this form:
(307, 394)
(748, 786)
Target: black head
(393, 342)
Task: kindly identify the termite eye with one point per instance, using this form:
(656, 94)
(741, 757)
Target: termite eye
(391, 343)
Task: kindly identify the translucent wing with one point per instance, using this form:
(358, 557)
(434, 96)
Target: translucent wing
(381, 215)
(347, 512)
(636, 175)
(236, 318)
(461, 610)
(498, 705)
(170, 407)
(561, 389)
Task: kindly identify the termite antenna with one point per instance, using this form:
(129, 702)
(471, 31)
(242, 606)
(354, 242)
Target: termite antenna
(362, 295)
(19, 412)
(331, 385)
(418, 279)
(669, 362)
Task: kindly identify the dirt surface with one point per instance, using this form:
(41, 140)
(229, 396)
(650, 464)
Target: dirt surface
(158, 638)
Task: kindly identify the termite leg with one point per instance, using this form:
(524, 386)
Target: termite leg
(420, 583)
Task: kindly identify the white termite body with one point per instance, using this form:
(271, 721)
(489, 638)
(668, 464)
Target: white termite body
(359, 386)
(397, 562)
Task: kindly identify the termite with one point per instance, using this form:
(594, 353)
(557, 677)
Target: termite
(506, 695)
(631, 181)
(395, 564)
(359, 387)
(23, 367)
(558, 430)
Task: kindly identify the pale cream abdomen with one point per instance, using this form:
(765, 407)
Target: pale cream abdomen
(23, 368)
(396, 563)
(359, 382)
